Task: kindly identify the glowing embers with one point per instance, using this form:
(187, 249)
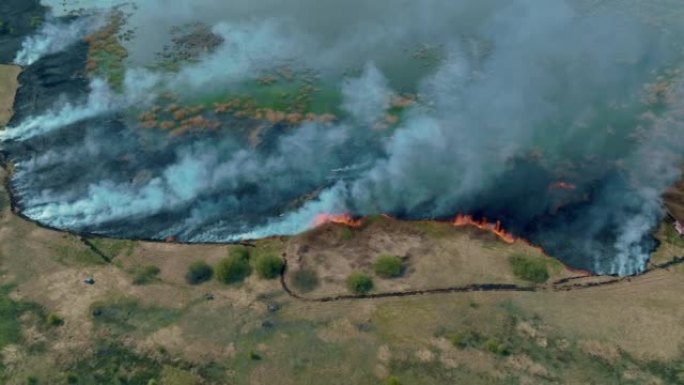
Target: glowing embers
(495, 228)
(340, 219)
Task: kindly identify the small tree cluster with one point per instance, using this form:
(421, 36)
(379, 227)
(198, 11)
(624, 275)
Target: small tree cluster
(269, 266)
(359, 283)
(388, 266)
(235, 267)
(198, 272)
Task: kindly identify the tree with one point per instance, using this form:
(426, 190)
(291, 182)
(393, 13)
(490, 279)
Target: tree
(269, 266)
(198, 272)
(359, 283)
(234, 268)
(388, 266)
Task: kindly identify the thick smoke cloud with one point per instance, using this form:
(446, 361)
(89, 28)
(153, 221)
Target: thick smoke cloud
(523, 94)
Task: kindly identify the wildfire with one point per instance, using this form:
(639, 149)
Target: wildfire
(340, 219)
(561, 185)
(494, 228)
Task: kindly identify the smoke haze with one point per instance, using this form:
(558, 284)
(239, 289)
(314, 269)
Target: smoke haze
(513, 97)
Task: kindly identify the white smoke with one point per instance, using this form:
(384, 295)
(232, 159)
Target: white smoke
(54, 36)
(100, 100)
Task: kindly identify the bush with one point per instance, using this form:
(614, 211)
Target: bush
(467, 339)
(392, 380)
(145, 274)
(305, 280)
(388, 266)
(198, 272)
(359, 283)
(529, 269)
(496, 347)
(234, 268)
(54, 320)
(269, 266)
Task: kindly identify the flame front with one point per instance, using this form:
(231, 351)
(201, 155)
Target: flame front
(340, 219)
(495, 228)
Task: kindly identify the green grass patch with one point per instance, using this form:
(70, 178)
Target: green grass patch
(529, 268)
(128, 316)
(672, 237)
(142, 275)
(304, 280)
(71, 252)
(113, 248)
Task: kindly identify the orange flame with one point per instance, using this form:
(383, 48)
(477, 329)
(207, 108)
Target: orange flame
(494, 228)
(340, 219)
(561, 185)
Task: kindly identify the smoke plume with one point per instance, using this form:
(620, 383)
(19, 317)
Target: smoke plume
(563, 123)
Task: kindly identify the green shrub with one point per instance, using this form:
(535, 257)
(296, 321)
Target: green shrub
(269, 266)
(234, 268)
(466, 340)
(529, 269)
(388, 266)
(145, 274)
(254, 356)
(359, 283)
(54, 320)
(305, 280)
(392, 380)
(198, 272)
(496, 347)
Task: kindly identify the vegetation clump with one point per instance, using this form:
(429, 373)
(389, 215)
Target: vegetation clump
(529, 269)
(234, 268)
(359, 283)
(54, 320)
(269, 266)
(143, 275)
(305, 280)
(388, 266)
(198, 272)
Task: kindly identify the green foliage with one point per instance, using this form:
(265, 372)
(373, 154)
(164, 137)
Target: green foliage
(112, 364)
(254, 356)
(54, 320)
(128, 316)
(468, 339)
(198, 272)
(388, 266)
(234, 268)
(269, 266)
(10, 311)
(672, 236)
(392, 380)
(112, 248)
(305, 280)
(529, 269)
(359, 283)
(497, 347)
(31, 380)
(143, 275)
